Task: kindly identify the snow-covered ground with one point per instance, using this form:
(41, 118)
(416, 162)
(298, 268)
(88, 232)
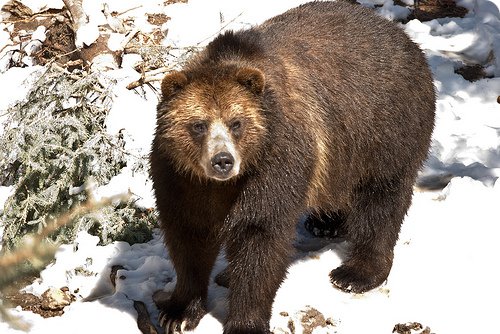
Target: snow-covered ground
(446, 270)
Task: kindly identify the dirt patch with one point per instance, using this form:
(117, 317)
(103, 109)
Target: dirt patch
(30, 302)
(411, 328)
(312, 319)
(169, 2)
(472, 72)
(17, 9)
(47, 306)
(427, 10)
(304, 321)
(157, 19)
(433, 9)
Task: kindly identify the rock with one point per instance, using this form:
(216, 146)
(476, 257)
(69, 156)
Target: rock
(55, 299)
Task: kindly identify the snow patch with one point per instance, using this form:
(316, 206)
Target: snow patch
(38, 6)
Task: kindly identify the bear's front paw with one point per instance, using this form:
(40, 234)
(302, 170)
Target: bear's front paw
(356, 277)
(176, 317)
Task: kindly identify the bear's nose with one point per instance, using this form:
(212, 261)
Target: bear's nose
(222, 162)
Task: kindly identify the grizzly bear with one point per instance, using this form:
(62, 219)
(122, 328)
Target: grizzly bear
(324, 110)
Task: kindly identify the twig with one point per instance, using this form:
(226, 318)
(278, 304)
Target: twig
(149, 77)
(159, 70)
(128, 10)
(7, 45)
(32, 17)
(52, 62)
(222, 28)
(13, 321)
(142, 81)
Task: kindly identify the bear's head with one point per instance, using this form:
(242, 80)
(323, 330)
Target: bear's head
(211, 122)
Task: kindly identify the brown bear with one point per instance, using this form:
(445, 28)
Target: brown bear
(325, 110)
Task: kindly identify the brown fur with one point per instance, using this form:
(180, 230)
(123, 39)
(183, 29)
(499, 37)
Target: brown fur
(336, 107)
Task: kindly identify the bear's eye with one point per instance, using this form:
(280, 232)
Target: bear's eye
(199, 127)
(235, 125)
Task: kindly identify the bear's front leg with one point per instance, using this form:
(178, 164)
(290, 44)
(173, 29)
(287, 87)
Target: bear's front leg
(193, 254)
(258, 256)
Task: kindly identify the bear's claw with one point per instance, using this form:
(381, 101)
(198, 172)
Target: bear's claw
(177, 318)
(172, 326)
(350, 279)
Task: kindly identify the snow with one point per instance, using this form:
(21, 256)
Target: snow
(445, 273)
(128, 180)
(184, 28)
(21, 80)
(37, 6)
(393, 12)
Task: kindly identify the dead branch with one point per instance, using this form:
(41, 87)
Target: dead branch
(78, 16)
(16, 8)
(143, 319)
(160, 70)
(30, 18)
(220, 30)
(142, 81)
(150, 76)
(128, 10)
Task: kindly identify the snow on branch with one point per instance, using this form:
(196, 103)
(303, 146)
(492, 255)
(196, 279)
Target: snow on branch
(53, 142)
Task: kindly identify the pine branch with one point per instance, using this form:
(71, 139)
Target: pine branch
(35, 250)
(38, 252)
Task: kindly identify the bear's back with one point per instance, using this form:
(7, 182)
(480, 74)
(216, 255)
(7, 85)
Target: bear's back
(367, 85)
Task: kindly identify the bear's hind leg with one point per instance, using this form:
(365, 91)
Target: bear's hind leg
(373, 226)
(323, 225)
(326, 224)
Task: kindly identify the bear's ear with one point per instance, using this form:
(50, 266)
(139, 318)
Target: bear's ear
(251, 78)
(172, 83)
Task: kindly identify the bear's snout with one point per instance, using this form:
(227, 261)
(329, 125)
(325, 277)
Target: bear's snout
(222, 163)
(220, 158)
